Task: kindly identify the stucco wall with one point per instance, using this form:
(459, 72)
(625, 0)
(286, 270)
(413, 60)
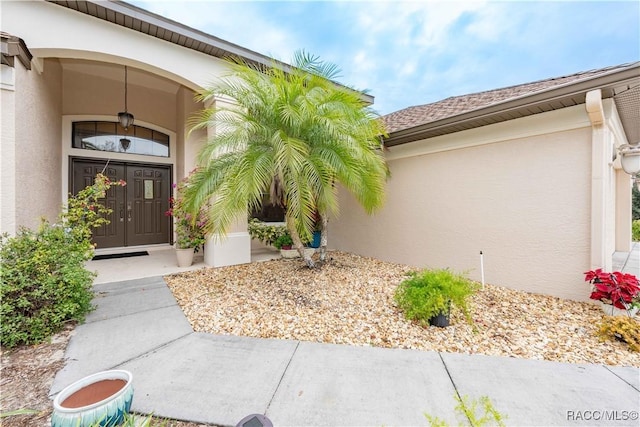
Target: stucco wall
(524, 202)
(38, 152)
(7, 150)
(92, 95)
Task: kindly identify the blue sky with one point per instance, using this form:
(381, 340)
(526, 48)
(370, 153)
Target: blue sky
(412, 53)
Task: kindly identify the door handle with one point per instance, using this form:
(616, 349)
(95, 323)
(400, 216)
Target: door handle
(121, 212)
(129, 212)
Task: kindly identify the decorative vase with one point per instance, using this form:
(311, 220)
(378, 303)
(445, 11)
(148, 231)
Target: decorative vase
(315, 243)
(611, 310)
(100, 399)
(185, 257)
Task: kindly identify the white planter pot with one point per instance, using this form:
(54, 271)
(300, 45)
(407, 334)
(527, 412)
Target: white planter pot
(293, 253)
(610, 310)
(102, 398)
(185, 257)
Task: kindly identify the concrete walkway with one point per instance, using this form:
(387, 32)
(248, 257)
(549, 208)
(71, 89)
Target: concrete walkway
(215, 379)
(628, 262)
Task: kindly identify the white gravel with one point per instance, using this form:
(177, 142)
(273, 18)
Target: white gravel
(349, 300)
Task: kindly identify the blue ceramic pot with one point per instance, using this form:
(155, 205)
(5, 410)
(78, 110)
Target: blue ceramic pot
(315, 243)
(87, 410)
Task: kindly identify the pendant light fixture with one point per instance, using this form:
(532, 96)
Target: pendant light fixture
(125, 118)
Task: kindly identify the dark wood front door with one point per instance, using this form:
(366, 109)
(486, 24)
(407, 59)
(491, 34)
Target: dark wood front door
(137, 216)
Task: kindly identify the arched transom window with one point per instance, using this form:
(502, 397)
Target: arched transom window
(110, 136)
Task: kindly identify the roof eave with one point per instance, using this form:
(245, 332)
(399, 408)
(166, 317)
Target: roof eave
(192, 34)
(476, 118)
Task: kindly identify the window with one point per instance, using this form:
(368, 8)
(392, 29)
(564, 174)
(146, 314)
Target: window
(268, 212)
(110, 136)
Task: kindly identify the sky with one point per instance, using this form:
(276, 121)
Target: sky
(413, 53)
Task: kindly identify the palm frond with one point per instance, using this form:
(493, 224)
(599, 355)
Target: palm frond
(293, 133)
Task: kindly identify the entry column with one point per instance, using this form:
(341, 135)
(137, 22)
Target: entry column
(234, 247)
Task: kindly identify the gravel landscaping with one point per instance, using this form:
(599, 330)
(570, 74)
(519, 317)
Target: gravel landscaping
(349, 300)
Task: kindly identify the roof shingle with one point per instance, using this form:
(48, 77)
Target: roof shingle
(422, 114)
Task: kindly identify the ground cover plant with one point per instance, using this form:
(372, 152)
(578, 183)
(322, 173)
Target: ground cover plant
(621, 328)
(474, 412)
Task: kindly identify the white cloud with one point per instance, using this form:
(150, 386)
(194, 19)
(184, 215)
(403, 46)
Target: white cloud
(241, 23)
(414, 52)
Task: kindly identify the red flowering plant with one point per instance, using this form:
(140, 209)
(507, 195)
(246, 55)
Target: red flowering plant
(189, 231)
(622, 290)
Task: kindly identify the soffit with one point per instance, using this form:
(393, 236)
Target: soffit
(143, 21)
(460, 113)
(135, 76)
(628, 105)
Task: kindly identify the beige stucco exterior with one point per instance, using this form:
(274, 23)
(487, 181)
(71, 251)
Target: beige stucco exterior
(541, 196)
(519, 191)
(77, 73)
(30, 145)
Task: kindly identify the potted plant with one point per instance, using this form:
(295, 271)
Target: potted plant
(283, 242)
(618, 293)
(317, 231)
(428, 296)
(101, 399)
(190, 234)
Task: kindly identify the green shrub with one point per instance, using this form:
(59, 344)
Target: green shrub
(431, 292)
(43, 283)
(635, 230)
(267, 234)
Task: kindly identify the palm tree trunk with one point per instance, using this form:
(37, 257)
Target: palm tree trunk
(323, 237)
(297, 242)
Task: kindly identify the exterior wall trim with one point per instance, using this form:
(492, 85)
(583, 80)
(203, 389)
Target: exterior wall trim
(539, 124)
(14, 47)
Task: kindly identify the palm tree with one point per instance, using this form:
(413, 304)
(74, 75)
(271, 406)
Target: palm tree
(293, 134)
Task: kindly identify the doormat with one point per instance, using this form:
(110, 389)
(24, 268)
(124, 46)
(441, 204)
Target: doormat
(124, 255)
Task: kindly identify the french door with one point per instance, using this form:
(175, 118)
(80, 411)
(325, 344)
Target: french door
(137, 209)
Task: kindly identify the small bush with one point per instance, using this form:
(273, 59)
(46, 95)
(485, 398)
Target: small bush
(429, 293)
(266, 233)
(43, 283)
(622, 328)
(635, 230)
